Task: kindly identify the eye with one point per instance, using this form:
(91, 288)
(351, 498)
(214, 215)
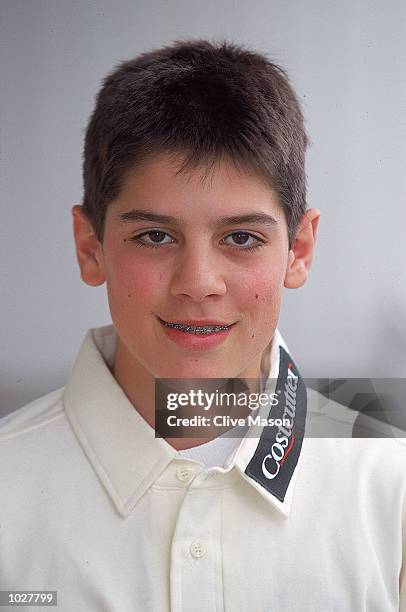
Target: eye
(244, 241)
(153, 238)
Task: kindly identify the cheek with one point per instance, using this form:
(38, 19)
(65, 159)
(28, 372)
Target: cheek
(131, 284)
(260, 289)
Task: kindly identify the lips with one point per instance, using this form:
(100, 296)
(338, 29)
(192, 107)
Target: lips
(196, 334)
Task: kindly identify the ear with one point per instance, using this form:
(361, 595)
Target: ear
(89, 251)
(301, 253)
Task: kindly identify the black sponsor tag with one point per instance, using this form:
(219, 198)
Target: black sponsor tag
(278, 449)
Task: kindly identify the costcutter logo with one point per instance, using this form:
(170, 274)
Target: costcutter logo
(278, 449)
(285, 438)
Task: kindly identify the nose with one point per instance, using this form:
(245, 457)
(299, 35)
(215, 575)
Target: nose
(197, 274)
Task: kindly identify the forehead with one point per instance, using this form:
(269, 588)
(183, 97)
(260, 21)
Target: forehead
(164, 186)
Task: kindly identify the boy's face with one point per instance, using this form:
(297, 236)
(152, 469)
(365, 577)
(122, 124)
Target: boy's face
(201, 265)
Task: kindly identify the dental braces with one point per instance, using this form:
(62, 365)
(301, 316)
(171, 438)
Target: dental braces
(208, 329)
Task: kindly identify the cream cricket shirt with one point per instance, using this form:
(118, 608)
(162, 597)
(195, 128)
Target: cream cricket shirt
(115, 520)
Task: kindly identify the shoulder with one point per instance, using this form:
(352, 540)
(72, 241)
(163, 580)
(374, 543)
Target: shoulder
(37, 415)
(329, 418)
(37, 446)
(373, 457)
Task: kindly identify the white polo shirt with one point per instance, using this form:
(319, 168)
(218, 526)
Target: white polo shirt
(114, 519)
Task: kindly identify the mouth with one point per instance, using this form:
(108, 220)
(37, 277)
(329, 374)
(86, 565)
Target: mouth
(199, 328)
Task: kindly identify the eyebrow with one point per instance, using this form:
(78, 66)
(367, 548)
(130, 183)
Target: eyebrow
(256, 218)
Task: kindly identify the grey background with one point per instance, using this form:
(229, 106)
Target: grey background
(347, 62)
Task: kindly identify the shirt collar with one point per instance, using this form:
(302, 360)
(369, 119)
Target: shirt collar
(270, 463)
(128, 458)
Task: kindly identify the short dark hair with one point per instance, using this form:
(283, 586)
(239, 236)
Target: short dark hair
(206, 101)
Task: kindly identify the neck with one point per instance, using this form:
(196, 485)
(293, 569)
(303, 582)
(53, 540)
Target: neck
(139, 386)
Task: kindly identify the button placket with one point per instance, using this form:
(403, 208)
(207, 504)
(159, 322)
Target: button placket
(196, 556)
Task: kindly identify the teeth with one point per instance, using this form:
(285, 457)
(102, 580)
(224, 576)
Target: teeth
(197, 329)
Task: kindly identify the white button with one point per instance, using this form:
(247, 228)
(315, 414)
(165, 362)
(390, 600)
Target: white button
(184, 474)
(197, 549)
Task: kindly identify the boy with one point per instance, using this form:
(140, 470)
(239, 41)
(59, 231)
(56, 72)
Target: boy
(194, 215)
